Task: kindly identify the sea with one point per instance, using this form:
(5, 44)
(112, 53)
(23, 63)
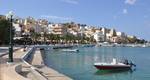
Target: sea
(80, 65)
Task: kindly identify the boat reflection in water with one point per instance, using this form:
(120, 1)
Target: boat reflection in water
(111, 72)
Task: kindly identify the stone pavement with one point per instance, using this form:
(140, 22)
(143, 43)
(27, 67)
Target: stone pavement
(19, 70)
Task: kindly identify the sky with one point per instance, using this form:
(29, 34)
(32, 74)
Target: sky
(129, 16)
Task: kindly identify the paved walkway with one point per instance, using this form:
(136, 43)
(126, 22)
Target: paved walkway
(49, 73)
(7, 71)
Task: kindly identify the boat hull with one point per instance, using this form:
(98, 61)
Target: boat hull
(69, 50)
(113, 67)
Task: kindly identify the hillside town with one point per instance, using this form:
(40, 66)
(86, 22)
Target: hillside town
(74, 39)
(41, 30)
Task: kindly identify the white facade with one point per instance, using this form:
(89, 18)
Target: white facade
(121, 34)
(49, 29)
(57, 29)
(104, 33)
(99, 37)
(82, 30)
(17, 29)
(73, 32)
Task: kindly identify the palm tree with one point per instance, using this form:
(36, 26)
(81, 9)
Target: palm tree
(34, 36)
(4, 34)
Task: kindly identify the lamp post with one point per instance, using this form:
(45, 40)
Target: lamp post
(10, 18)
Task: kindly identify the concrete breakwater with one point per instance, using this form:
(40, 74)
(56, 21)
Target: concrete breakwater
(28, 65)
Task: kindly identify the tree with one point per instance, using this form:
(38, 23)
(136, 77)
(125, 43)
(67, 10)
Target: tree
(4, 31)
(131, 40)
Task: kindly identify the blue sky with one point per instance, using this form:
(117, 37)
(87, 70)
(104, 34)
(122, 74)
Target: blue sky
(129, 16)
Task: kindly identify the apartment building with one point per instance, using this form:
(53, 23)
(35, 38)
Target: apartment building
(58, 29)
(99, 36)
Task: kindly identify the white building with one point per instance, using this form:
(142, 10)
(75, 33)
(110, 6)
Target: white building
(49, 29)
(57, 29)
(17, 30)
(99, 36)
(104, 33)
(121, 34)
(73, 32)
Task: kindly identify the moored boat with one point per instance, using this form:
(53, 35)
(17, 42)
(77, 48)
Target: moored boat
(70, 50)
(114, 65)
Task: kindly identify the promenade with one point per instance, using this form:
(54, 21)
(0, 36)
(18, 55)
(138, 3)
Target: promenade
(20, 70)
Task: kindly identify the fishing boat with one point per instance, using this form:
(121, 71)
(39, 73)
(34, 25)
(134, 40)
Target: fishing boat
(70, 50)
(114, 65)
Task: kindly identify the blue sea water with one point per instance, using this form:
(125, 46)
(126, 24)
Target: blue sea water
(79, 66)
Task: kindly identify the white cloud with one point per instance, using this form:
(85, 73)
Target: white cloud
(125, 11)
(70, 1)
(130, 2)
(57, 18)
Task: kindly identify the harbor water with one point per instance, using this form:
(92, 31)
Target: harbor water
(79, 65)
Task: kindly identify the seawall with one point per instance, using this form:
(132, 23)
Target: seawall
(28, 65)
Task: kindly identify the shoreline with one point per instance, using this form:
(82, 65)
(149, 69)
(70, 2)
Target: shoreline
(21, 70)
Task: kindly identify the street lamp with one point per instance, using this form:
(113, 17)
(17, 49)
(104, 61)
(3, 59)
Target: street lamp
(10, 18)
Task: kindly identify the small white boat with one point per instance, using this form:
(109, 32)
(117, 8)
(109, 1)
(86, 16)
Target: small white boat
(114, 65)
(70, 50)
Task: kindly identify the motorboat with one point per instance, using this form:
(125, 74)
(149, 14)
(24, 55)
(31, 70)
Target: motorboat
(70, 50)
(114, 65)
